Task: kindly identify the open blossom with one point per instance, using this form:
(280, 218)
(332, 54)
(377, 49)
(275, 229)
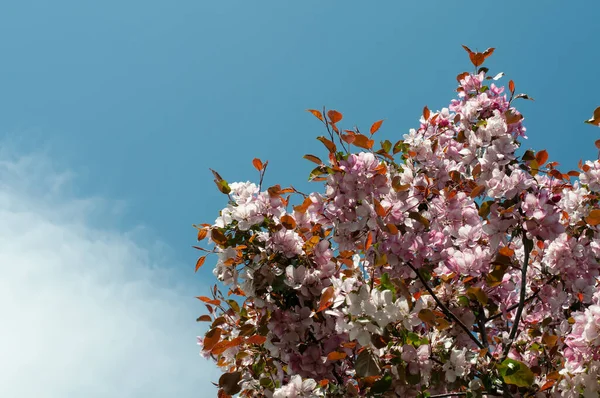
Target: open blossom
(591, 175)
(297, 388)
(457, 366)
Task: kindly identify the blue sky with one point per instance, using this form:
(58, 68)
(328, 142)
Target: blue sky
(113, 111)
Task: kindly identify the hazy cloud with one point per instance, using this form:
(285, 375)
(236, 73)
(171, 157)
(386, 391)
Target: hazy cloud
(88, 310)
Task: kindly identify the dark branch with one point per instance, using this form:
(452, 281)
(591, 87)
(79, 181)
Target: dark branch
(448, 312)
(528, 299)
(528, 246)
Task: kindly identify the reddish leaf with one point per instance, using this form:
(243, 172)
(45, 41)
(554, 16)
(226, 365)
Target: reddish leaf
(375, 126)
(584, 167)
(326, 299)
(595, 120)
(593, 218)
(313, 159)
(330, 145)
(467, 49)
(462, 76)
(229, 382)
(317, 114)
(511, 86)
(256, 339)
(554, 173)
(392, 229)
(476, 170)
(204, 318)
(362, 141)
(202, 233)
(258, 165)
(369, 241)
(199, 263)
(212, 338)
(218, 237)
(426, 113)
(220, 347)
(478, 190)
(506, 251)
(304, 206)
(334, 116)
(288, 221)
(379, 208)
(222, 394)
(398, 186)
(209, 300)
(336, 356)
(547, 385)
(478, 58)
(550, 339)
(512, 116)
(597, 143)
(541, 157)
(349, 138)
(540, 245)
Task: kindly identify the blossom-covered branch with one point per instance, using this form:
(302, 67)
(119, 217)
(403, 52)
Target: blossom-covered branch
(400, 276)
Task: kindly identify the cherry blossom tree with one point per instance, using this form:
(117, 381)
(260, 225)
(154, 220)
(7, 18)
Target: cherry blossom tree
(450, 263)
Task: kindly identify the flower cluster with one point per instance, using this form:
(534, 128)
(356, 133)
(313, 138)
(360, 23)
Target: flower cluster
(446, 262)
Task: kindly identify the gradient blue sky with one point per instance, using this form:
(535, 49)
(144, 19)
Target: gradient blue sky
(124, 105)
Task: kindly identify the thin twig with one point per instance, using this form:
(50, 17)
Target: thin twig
(448, 312)
(262, 175)
(528, 299)
(481, 323)
(528, 246)
(327, 125)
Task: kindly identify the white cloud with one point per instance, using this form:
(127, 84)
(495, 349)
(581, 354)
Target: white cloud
(88, 311)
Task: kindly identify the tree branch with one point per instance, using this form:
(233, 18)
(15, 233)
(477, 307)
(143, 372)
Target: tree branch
(481, 323)
(528, 299)
(528, 246)
(448, 312)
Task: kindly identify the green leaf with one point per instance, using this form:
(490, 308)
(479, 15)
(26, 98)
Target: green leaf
(386, 145)
(419, 218)
(382, 385)
(413, 338)
(516, 373)
(524, 96)
(528, 155)
(234, 305)
(463, 301)
(495, 277)
(399, 147)
(478, 294)
(316, 172)
(386, 283)
(413, 379)
(223, 187)
(366, 365)
(484, 209)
